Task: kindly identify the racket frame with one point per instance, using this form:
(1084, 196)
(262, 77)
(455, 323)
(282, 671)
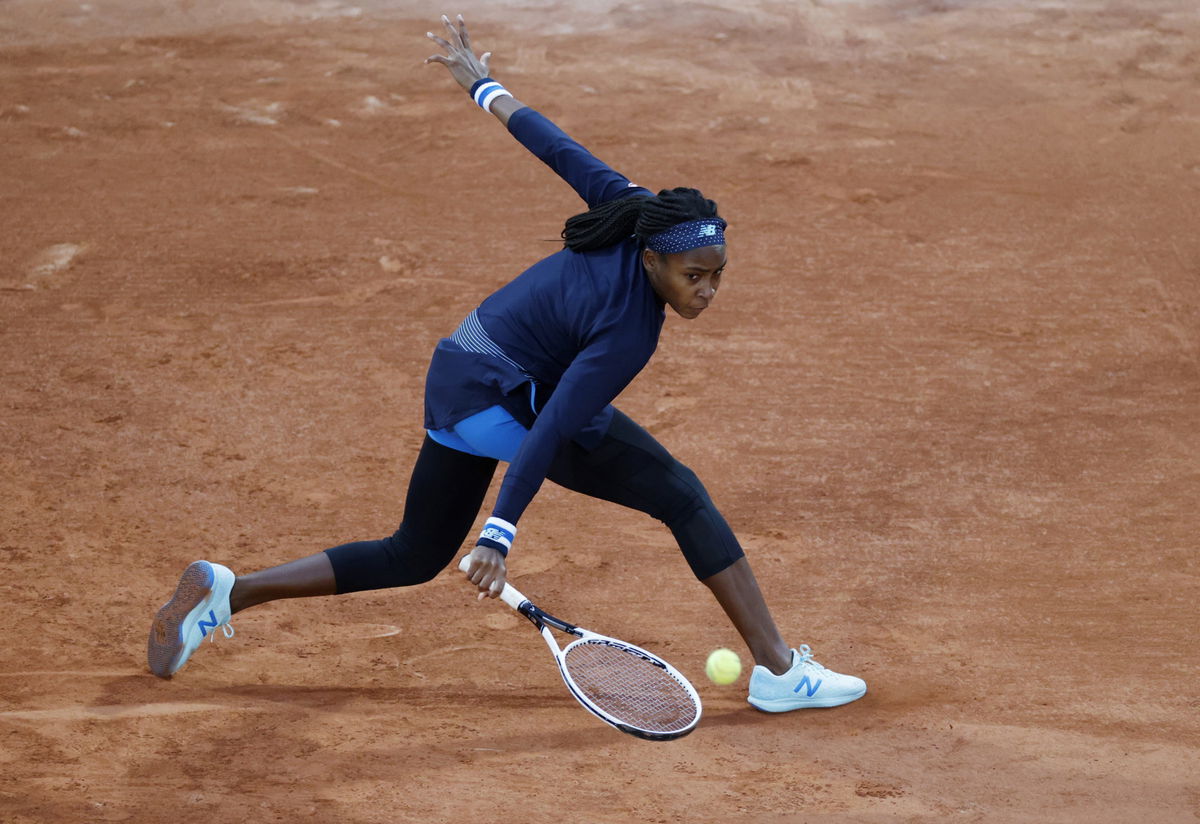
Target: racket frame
(543, 621)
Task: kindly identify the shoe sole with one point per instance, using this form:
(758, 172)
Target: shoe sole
(166, 644)
(789, 704)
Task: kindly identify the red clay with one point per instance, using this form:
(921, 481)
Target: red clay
(948, 398)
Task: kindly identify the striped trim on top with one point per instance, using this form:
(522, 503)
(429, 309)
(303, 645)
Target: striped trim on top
(471, 337)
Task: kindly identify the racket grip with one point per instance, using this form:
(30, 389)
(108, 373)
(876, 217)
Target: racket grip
(509, 595)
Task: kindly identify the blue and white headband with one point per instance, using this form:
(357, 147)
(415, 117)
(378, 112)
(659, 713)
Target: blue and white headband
(709, 231)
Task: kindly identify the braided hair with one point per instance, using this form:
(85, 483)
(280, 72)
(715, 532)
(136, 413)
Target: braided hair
(638, 215)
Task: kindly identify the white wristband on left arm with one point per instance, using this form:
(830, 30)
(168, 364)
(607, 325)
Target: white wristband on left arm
(487, 91)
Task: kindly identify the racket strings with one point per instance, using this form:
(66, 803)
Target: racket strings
(627, 686)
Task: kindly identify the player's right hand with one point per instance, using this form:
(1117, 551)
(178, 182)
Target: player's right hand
(487, 571)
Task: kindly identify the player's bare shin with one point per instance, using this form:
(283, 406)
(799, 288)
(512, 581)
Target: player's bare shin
(736, 590)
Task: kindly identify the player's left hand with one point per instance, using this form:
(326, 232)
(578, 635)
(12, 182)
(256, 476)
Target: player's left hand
(487, 571)
(460, 59)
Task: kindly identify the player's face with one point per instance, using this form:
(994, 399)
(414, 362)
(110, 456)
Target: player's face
(686, 281)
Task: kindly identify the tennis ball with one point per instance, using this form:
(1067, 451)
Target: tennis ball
(723, 666)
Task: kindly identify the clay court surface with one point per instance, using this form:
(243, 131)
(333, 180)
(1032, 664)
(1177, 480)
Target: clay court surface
(949, 398)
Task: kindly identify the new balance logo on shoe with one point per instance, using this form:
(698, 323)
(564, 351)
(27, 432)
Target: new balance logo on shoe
(211, 623)
(816, 687)
(808, 686)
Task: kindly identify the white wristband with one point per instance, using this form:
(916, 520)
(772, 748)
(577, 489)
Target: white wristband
(488, 92)
(500, 531)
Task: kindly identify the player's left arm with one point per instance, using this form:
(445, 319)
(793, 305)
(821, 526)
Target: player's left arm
(466, 68)
(591, 178)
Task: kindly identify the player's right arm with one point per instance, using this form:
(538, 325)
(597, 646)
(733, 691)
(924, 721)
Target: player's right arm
(592, 179)
(593, 380)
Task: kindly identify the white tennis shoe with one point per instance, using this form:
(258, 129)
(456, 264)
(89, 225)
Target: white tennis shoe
(806, 684)
(199, 606)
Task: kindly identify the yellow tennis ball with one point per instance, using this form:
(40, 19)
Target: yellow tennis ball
(723, 666)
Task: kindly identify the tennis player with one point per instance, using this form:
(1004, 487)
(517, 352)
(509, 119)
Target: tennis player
(528, 378)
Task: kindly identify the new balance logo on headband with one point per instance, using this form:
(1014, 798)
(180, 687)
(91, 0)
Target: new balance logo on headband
(708, 231)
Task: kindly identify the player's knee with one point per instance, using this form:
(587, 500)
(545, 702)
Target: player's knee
(683, 496)
(414, 559)
(421, 574)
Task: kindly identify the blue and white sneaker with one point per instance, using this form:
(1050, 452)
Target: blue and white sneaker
(199, 606)
(806, 684)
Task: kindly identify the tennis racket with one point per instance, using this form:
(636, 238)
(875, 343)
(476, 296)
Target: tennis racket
(621, 684)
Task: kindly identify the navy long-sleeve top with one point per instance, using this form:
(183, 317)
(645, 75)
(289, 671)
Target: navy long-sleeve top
(567, 335)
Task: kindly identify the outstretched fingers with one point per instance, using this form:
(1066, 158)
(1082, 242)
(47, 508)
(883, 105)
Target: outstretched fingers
(455, 46)
(459, 57)
(457, 33)
(462, 34)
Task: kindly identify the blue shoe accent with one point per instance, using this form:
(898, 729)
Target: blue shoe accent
(806, 685)
(199, 606)
(211, 623)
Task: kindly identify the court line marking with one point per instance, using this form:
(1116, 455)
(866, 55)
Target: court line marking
(323, 158)
(72, 673)
(448, 650)
(388, 630)
(111, 711)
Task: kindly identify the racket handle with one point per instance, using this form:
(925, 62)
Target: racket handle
(509, 595)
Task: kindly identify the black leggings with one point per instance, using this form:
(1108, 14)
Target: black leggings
(629, 468)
